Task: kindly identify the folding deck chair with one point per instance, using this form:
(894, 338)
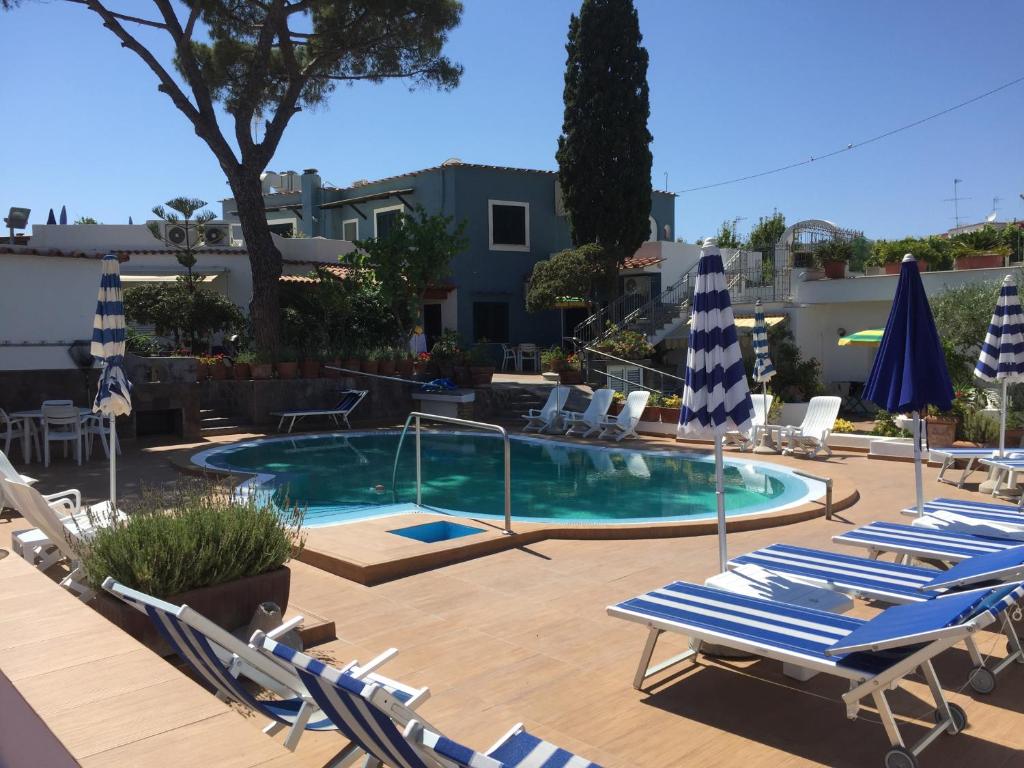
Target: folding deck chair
(873, 655)
(950, 457)
(370, 716)
(911, 541)
(625, 422)
(982, 510)
(1004, 466)
(222, 662)
(897, 584)
(350, 398)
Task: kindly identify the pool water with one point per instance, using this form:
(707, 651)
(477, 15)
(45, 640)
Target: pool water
(346, 476)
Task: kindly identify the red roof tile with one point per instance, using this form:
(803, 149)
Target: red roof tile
(639, 262)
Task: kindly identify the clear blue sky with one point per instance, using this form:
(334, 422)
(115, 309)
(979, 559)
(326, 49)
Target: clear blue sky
(736, 88)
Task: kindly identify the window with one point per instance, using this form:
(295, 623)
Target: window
(509, 225)
(284, 229)
(350, 230)
(490, 320)
(386, 219)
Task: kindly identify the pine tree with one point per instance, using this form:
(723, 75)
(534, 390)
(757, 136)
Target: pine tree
(604, 155)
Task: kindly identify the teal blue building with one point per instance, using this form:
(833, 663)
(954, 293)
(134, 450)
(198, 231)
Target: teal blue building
(514, 219)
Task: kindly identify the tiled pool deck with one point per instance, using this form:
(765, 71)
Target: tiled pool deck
(522, 635)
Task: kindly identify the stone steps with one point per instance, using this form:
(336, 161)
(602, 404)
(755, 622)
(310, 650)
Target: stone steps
(213, 422)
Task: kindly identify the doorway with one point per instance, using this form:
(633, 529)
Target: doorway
(432, 326)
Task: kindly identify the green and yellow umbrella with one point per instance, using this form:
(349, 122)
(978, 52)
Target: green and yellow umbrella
(869, 338)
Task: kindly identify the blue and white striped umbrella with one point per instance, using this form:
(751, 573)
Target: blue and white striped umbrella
(763, 368)
(113, 396)
(716, 398)
(1002, 355)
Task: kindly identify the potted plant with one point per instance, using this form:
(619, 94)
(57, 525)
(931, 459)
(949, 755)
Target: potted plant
(445, 352)
(242, 363)
(652, 411)
(481, 365)
(422, 362)
(404, 364)
(261, 368)
(386, 361)
(669, 409)
(629, 345)
(286, 365)
(617, 401)
(983, 248)
(182, 545)
(370, 361)
(833, 256)
(571, 371)
(1014, 429)
(218, 368)
(204, 364)
(552, 359)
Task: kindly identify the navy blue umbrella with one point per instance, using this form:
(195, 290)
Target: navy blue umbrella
(63, 215)
(910, 373)
(51, 219)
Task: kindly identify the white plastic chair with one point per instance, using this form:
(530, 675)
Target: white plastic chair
(811, 437)
(588, 422)
(61, 424)
(624, 424)
(531, 353)
(20, 430)
(508, 355)
(97, 425)
(746, 440)
(548, 417)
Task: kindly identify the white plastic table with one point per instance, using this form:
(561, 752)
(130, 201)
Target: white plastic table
(32, 420)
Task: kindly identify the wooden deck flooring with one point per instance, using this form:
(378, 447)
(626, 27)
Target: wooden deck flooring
(522, 635)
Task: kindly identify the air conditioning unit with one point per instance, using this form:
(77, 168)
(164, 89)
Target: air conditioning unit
(625, 378)
(217, 233)
(638, 286)
(178, 235)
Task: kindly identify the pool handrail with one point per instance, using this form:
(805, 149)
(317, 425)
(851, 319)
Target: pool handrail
(418, 416)
(828, 489)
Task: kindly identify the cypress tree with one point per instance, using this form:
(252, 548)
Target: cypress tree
(604, 155)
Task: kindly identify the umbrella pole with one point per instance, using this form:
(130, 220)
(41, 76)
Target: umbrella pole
(723, 554)
(113, 463)
(1002, 422)
(763, 446)
(918, 478)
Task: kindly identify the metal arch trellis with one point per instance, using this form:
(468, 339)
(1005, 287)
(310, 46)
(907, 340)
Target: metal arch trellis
(799, 241)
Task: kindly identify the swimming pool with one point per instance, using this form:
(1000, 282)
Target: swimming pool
(347, 476)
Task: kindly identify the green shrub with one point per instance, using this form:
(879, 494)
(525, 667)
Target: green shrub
(140, 344)
(978, 428)
(885, 426)
(192, 535)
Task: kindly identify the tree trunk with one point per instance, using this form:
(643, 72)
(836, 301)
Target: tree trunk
(264, 261)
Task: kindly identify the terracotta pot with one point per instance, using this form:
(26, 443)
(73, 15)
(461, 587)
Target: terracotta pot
(615, 409)
(350, 363)
(669, 415)
(261, 371)
(835, 270)
(570, 376)
(241, 371)
(481, 375)
(368, 366)
(287, 370)
(328, 372)
(386, 367)
(404, 367)
(218, 371)
(893, 267)
(445, 369)
(651, 413)
(941, 432)
(979, 261)
(310, 369)
(229, 605)
(463, 376)
(202, 371)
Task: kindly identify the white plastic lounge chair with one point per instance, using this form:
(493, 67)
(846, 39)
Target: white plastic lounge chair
(350, 398)
(950, 457)
(97, 425)
(588, 422)
(873, 655)
(896, 584)
(220, 660)
(8, 472)
(910, 541)
(811, 437)
(623, 425)
(58, 537)
(371, 716)
(548, 417)
(746, 440)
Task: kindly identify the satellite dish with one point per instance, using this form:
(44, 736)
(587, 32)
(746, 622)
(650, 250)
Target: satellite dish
(991, 217)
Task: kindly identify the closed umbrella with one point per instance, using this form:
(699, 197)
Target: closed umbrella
(910, 373)
(63, 215)
(716, 398)
(51, 219)
(1002, 355)
(763, 368)
(113, 396)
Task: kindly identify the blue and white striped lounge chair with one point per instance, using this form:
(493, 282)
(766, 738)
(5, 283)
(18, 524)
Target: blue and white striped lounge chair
(896, 584)
(923, 543)
(350, 398)
(956, 522)
(370, 716)
(873, 655)
(220, 660)
(982, 510)
(950, 457)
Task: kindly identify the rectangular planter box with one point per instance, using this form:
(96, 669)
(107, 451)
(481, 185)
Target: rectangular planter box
(979, 261)
(230, 605)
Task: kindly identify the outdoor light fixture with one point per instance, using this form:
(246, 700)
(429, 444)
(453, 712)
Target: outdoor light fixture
(841, 332)
(17, 218)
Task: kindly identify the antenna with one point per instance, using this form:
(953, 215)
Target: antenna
(736, 221)
(955, 200)
(666, 181)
